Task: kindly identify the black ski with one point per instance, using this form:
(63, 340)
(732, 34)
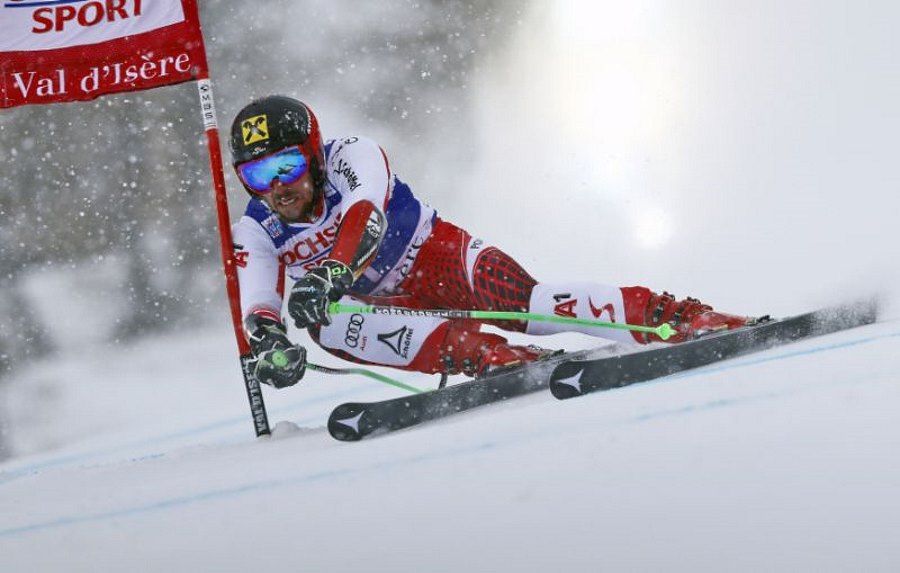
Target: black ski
(578, 377)
(356, 420)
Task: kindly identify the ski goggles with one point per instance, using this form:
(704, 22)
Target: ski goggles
(287, 165)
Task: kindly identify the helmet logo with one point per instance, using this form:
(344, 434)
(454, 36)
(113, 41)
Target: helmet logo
(255, 129)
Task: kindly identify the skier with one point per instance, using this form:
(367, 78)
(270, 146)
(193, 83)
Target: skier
(333, 217)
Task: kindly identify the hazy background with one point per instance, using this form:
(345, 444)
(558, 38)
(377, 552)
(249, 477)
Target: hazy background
(741, 152)
(107, 219)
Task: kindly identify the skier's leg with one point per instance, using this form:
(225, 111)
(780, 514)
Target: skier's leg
(632, 305)
(419, 343)
(455, 270)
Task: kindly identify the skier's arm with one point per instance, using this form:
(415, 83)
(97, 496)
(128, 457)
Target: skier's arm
(363, 176)
(356, 243)
(260, 273)
(364, 180)
(359, 237)
(276, 361)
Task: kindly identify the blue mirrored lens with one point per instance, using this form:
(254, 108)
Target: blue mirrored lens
(287, 165)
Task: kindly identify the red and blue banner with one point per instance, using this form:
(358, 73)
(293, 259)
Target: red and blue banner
(74, 50)
(55, 51)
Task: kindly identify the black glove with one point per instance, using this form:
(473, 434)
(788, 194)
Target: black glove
(276, 361)
(311, 295)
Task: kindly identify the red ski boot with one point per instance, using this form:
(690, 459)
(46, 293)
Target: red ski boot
(505, 355)
(468, 351)
(689, 317)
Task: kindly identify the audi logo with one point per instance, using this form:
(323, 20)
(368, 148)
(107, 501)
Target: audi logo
(354, 327)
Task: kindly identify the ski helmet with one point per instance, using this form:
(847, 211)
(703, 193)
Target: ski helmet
(269, 124)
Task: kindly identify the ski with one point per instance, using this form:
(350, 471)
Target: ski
(356, 420)
(578, 377)
(576, 373)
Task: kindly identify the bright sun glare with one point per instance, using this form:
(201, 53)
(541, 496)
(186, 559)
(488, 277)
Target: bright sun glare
(618, 96)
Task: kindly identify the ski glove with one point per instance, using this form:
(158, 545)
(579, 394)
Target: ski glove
(276, 361)
(311, 295)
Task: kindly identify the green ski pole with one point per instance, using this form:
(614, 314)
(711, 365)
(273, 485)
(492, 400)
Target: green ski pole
(280, 359)
(663, 331)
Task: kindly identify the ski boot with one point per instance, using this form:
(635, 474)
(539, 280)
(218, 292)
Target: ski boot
(689, 317)
(509, 356)
(473, 353)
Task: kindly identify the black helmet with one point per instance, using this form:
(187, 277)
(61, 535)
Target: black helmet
(272, 123)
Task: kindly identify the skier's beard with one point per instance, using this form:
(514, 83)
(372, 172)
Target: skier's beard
(294, 203)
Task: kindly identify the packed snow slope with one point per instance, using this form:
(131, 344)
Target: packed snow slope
(743, 154)
(783, 460)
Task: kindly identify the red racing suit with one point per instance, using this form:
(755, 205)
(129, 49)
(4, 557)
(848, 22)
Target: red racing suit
(421, 261)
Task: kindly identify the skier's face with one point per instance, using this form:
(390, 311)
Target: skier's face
(292, 202)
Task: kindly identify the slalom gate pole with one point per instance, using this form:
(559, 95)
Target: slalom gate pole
(226, 245)
(664, 331)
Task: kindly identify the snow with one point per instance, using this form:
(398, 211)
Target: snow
(784, 460)
(744, 154)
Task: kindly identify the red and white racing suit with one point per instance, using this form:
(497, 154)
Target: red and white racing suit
(421, 262)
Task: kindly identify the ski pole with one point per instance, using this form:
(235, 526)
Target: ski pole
(663, 331)
(280, 359)
(366, 373)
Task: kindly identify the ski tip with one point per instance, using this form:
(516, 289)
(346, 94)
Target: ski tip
(565, 381)
(344, 423)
